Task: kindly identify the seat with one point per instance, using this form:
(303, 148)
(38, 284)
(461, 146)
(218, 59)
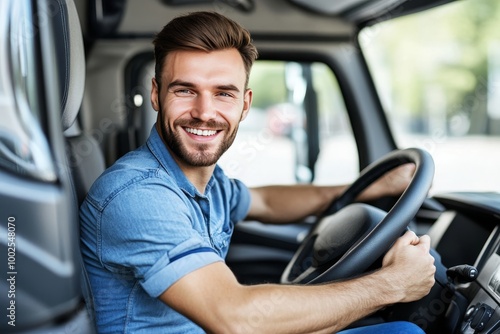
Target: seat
(84, 156)
(85, 160)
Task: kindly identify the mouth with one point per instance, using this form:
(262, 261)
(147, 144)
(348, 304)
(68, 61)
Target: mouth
(200, 132)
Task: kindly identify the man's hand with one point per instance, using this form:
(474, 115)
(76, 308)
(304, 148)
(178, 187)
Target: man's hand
(410, 267)
(396, 181)
(392, 183)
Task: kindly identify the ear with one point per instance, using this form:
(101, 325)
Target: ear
(247, 103)
(155, 95)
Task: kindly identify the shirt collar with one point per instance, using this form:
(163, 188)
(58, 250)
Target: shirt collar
(164, 157)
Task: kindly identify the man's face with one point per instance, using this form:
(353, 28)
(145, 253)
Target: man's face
(202, 99)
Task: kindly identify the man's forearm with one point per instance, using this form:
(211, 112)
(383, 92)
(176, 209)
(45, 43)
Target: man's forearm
(286, 204)
(407, 274)
(302, 309)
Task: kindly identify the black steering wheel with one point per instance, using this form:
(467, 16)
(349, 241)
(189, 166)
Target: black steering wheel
(352, 236)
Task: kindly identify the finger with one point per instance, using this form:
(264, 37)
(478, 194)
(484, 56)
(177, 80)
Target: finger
(425, 241)
(409, 238)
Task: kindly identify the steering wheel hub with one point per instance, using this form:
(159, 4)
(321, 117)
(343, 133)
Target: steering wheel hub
(337, 233)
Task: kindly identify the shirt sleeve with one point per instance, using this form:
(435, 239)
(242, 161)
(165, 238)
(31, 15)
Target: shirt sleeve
(146, 231)
(240, 200)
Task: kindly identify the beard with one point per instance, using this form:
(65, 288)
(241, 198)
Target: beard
(202, 155)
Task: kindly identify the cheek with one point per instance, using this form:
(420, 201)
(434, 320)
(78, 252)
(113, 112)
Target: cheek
(230, 111)
(225, 105)
(233, 120)
(175, 108)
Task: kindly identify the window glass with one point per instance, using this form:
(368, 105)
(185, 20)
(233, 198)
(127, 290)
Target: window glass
(273, 145)
(23, 146)
(438, 74)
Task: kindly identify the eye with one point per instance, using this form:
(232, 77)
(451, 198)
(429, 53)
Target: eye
(183, 92)
(225, 94)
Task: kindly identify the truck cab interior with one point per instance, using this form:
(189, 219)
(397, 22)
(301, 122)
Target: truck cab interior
(344, 91)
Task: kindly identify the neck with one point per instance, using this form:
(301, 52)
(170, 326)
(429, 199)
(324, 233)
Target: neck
(198, 176)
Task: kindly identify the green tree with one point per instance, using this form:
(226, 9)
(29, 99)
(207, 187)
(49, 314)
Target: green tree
(438, 56)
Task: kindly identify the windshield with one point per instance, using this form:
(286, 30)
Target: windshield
(438, 75)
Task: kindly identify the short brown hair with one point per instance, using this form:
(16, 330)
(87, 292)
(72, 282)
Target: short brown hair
(204, 31)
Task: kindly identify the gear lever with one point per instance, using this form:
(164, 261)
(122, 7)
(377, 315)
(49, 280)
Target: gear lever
(463, 273)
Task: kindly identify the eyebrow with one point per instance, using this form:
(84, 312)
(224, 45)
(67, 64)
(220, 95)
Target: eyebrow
(180, 83)
(176, 83)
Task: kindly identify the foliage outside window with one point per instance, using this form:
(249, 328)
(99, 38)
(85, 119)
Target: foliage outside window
(438, 75)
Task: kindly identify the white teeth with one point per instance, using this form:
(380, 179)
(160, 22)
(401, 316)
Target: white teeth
(201, 132)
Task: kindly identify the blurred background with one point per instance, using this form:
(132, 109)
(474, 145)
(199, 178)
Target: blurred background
(438, 75)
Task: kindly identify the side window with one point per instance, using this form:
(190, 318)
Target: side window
(23, 145)
(297, 130)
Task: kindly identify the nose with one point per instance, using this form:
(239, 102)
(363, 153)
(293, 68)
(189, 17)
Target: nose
(204, 108)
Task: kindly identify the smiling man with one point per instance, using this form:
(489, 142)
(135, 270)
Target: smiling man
(155, 227)
(206, 96)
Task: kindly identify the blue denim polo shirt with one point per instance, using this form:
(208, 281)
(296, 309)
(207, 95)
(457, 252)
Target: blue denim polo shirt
(143, 227)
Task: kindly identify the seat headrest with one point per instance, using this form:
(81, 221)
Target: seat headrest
(70, 56)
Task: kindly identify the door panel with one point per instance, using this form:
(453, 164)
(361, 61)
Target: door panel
(40, 282)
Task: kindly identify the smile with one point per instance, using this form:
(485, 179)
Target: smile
(199, 132)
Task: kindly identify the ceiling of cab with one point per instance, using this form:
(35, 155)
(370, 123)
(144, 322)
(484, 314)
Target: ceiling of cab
(362, 12)
(335, 7)
(296, 18)
(261, 17)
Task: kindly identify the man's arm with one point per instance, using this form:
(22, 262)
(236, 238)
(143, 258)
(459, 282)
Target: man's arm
(212, 297)
(286, 204)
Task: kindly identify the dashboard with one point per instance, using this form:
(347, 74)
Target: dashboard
(467, 233)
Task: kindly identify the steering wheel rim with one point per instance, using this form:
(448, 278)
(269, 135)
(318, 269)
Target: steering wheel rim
(348, 242)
